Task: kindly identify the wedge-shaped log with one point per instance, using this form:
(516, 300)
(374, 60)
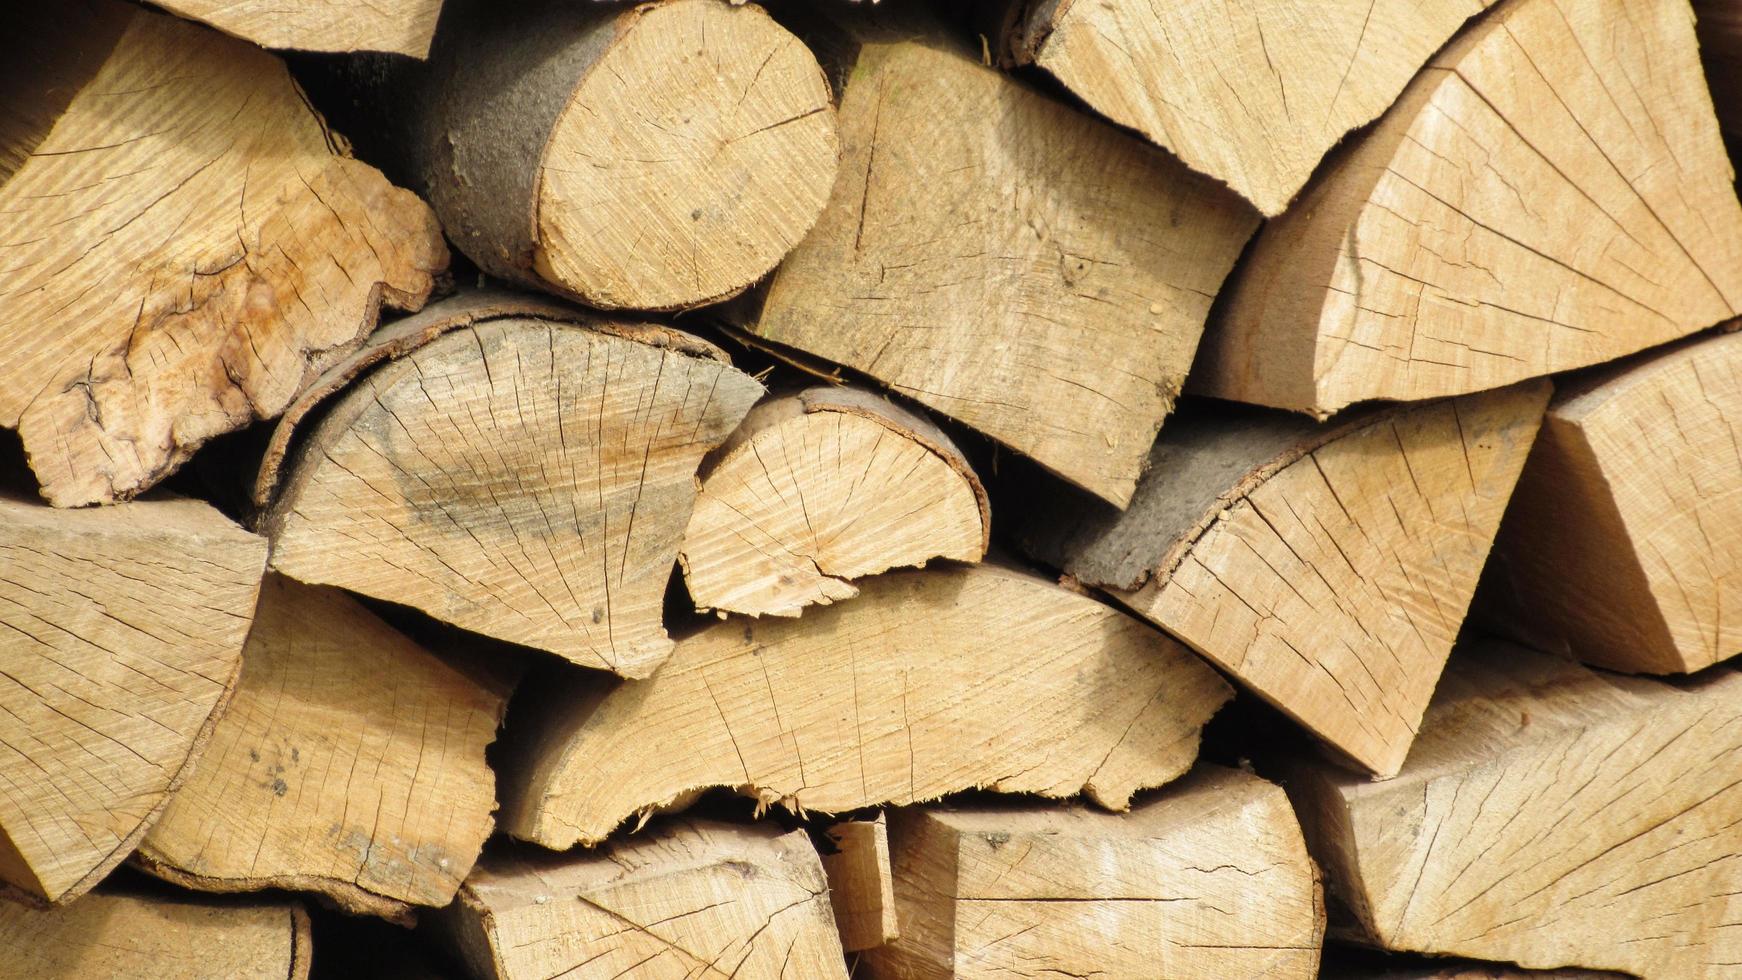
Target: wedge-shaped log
(183, 248)
(1209, 879)
(121, 632)
(1328, 567)
(329, 689)
(861, 884)
(927, 683)
(968, 259)
(1251, 95)
(156, 937)
(824, 486)
(1550, 192)
(526, 478)
(1549, 816)
(1623, 545)
(402, 27)
(689, 899)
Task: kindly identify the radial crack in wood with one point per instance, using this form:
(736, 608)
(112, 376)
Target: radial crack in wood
(927, 683)
(350, 763)
(121, 632)
(523, 478)
(183, 250)
(1549, 816)
(1520, 211)
(690, 900)
(821, 487)
(402, 27)
(861, 884)
(1209, 879)
(1327, 567)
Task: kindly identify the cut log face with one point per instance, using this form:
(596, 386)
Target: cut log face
(1549, 816)
(1327, 567)
(821, 487)
(526, 479)
(928, 683)
(1208, 880)
(861, 884)
(328, 688)
(1253, 96)
(402, 27)
(1623, 545)
(154, 937)
(1518, 212)
(184, 250)
(689, 899)
(965, 261)
(121, 631)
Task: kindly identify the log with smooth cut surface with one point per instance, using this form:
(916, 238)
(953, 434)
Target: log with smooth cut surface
(403, 27)
(1551, 192)
(150, 936)
(821, 487)
(183, 247)
(121, 631)
(861, 885)
(928, 683)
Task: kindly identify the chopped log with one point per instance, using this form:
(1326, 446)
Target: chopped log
(184, 249)
(156, 937)
(656, 156)
(821, 487)
(1549, 816)
(902, 695)
(522, 477)
(1516, 213)
(402, 27)
(861, 885)
(1251, 95)
(690, 899)
(1326, 566)
(329, 689)
(1623, 545)
(1210, 879)
(967, 260)
(121, 632)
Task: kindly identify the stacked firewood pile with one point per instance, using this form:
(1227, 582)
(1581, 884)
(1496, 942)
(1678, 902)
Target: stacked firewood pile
(1017, 489)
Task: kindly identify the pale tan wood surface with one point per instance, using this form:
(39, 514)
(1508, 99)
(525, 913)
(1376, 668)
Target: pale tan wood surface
(125, 936)
(861, 884)
(400, 26)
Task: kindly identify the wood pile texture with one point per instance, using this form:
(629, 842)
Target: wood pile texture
(836, 489)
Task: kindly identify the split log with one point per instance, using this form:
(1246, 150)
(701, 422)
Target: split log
(121, 632)
(1518, 212)
(656, 156)
(824, 486)
(518, 476)
(1253, 96)
(1210, 879)
(861, 885)
(902, 695)
(1328, 567)
(690, 899)
(1549, 816)
(184, 249)
(156, 937)
(967, 259)
(402, 27)
(1623, 545)
(350, 763)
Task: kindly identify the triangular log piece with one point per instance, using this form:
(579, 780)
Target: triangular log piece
(1207, 880)
(1326, 566)
(656, 156)
(184, 249)
(1520, 211)
(523, 478)
(861, 885)
(1623, 544)
(928, 683)
(402, 27)
(1251, 95)
(966, 260)
(1549, 816)
(824, 486)
(121, 632)
(127, 936)
(350, 763)
(687, 899)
